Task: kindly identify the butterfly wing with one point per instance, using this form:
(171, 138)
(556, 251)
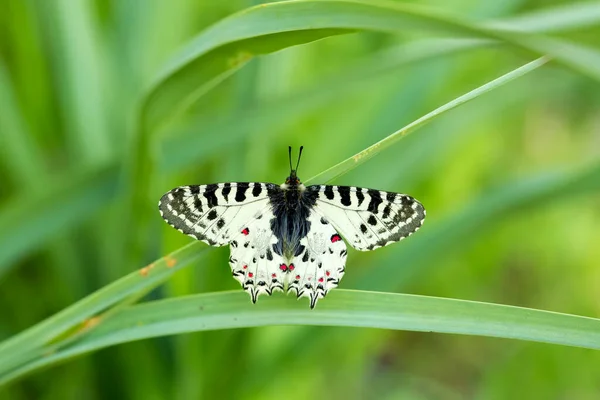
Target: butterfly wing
(321, 265)
(238, 214)
(214, 213)
(253, 262)
(368, 218)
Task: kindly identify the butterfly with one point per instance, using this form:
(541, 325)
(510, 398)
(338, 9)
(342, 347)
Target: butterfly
(289, 237)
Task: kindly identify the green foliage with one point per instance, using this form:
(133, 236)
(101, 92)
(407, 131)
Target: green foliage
(95, 125)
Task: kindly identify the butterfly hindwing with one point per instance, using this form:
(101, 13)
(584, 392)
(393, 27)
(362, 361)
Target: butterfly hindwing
(253, 262)
(368, 218)
(213, 213)
(321, 264)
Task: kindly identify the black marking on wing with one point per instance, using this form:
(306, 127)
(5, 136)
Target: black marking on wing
(240, 193)
(360, 196)
(212, 214)
(256, 189)
(226, 190)
(375, 201)
(386, 211)
(329, 192)
(198, 204)
(344, 192)
(305, 257)
(210, 195)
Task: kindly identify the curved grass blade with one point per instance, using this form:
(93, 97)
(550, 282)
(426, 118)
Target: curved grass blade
(359, 158)
(227, 310)
(555, 19)
(190, 144)
(559, 18)
(83, 315)
(224, 47)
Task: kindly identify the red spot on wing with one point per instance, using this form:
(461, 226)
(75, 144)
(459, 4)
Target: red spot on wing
(320, 279)
(273, 275)
(327, 273)
(335, 238)
(245, 231)
(283, 267)
(250, 275)
(297, 277)
(291, 267)
(245, 267)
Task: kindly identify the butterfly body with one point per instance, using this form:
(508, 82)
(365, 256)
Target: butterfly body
(287, 237)
(291, 205)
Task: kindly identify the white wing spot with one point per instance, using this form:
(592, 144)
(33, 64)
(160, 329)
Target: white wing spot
(317, 243)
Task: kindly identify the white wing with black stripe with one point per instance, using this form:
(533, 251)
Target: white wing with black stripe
(214, 213)
(368, 218)
(254, 264)
(322, 263)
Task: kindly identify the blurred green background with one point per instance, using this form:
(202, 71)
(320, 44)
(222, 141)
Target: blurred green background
(510, 218)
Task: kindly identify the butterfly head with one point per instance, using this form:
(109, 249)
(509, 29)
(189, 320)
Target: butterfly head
(293, 180)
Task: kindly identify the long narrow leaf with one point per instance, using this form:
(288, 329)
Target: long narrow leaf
(228, 310)
(74, 319)
(359, 158)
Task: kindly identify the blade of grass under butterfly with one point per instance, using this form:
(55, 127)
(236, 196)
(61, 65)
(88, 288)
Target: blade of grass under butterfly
(79, 316)
(227, 310)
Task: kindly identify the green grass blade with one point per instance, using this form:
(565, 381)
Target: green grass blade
(187, 145)
(560, 18)
(224, 47)
(28, 222)
(190, 145)
(21, 155)
(75, 319)
(359, 158)
(76, 54)
(226, 310)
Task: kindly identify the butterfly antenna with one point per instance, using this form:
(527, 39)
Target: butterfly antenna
(290, 156)
(299, 155)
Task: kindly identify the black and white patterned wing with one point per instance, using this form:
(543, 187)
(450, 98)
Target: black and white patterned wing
(253, 262)
(214, 213)
(321, 264)
(368, 218)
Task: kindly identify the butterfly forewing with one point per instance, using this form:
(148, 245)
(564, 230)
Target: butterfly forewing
(213, 213)
(368, 218)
